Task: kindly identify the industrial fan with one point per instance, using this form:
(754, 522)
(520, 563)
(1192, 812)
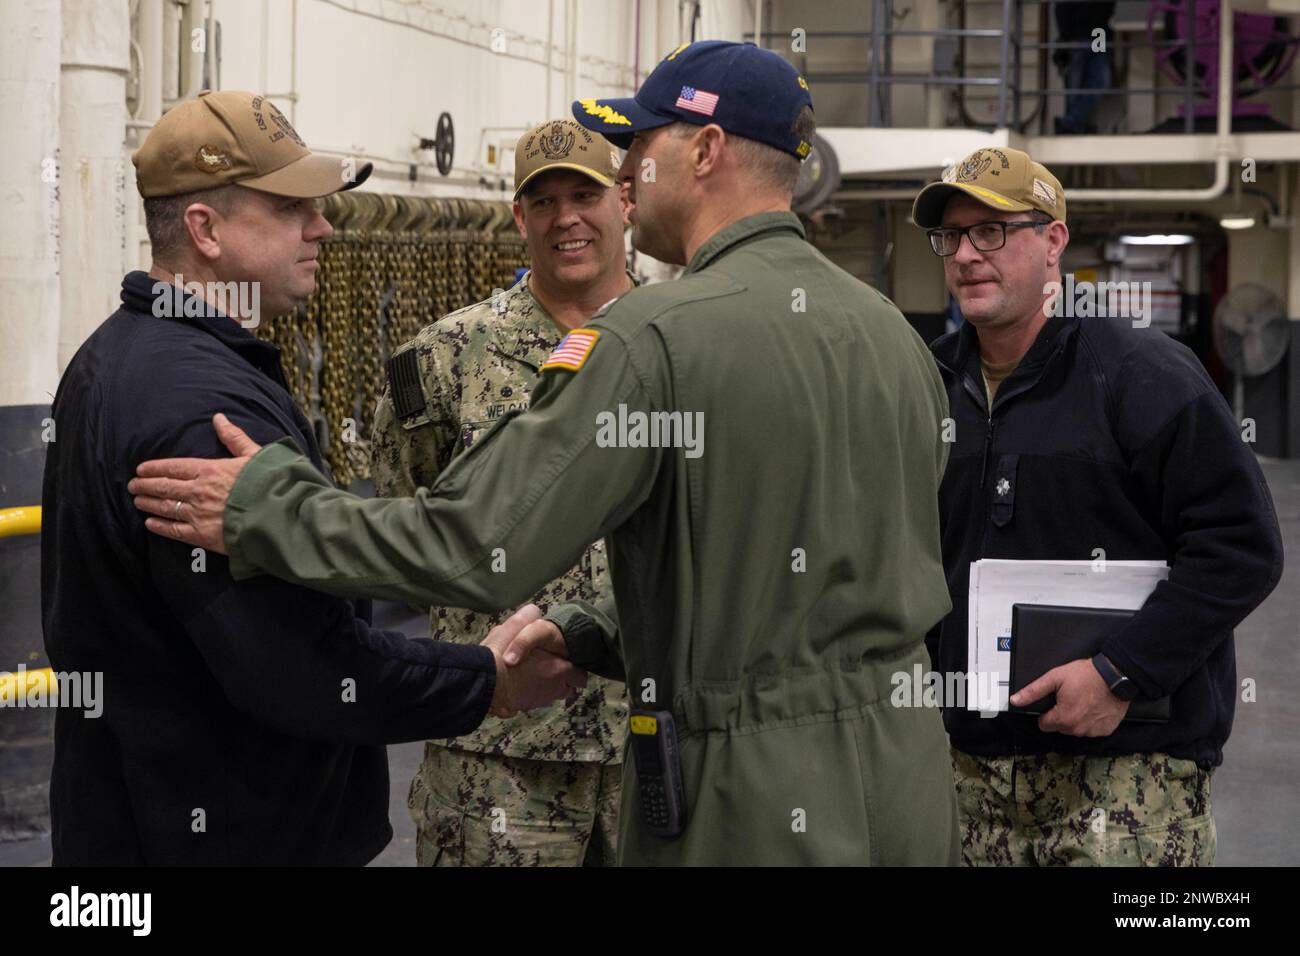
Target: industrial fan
(1250, 334)
(1185, 35)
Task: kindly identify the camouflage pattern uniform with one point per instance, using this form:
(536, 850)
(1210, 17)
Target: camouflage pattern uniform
(540, 788)
(1065, 810)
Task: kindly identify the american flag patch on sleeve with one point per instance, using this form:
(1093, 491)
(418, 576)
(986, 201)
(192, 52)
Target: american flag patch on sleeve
(573, 350)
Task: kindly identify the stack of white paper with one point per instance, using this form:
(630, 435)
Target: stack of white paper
(995, 585)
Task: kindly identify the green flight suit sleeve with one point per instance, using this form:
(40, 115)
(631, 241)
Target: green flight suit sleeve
(509, 515)
(591, 636)
(393, 454)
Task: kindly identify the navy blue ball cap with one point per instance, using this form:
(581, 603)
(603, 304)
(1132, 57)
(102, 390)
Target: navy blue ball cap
(748, 91)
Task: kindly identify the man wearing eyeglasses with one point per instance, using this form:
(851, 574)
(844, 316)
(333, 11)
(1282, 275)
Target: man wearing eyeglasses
(1078, 437)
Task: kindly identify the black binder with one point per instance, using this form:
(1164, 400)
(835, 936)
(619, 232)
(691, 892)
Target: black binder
(1044, 636)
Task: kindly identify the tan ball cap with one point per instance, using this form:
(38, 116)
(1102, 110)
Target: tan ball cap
(233, 136)
(1001, 178)
(563, 144)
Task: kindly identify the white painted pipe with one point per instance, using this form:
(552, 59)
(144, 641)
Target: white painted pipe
(1293, 281)
(192, 60)
(571, 74)
(655, 48)
(151, 60)
(293, 68)
(171, 61)
(92, 148)
(148, 110)
(210, 48)
(550, 51)
(263, 77)
(29, 202)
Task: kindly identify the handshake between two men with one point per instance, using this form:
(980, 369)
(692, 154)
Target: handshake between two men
(532, 669)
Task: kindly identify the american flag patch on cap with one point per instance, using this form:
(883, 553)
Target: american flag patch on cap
(572, 350)
(697, 101)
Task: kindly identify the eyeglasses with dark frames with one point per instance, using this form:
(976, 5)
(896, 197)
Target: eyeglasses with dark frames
(984, 236)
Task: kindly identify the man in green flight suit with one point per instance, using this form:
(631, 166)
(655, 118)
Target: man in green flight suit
(541, 788)
(760, 444)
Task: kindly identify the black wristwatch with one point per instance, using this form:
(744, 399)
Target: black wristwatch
(1119, 685)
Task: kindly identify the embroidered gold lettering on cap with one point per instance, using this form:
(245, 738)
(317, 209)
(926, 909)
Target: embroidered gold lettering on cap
(286, 129)
(209, 159)
(283, 126)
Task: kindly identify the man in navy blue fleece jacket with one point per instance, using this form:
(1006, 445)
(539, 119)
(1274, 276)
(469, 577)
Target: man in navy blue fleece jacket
(1072, 435)
(242, 722)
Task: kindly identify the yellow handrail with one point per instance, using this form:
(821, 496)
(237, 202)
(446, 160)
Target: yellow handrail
(39, 682)
(16, 521)
(34, 684)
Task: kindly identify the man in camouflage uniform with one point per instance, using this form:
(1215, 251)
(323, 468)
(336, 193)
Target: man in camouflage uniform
(1063, 810)
(542, 787)
(1079, 435)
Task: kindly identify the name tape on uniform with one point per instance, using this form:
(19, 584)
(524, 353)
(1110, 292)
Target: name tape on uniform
(573, 350)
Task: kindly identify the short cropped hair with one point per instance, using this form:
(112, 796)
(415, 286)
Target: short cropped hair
(772, 167)
(164, 216)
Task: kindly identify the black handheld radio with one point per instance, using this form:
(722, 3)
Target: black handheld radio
(658, 772)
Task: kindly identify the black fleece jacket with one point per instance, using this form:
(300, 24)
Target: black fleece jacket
(243, 721)
(1112, 437)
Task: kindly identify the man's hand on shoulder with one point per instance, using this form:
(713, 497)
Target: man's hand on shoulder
(187, 496)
